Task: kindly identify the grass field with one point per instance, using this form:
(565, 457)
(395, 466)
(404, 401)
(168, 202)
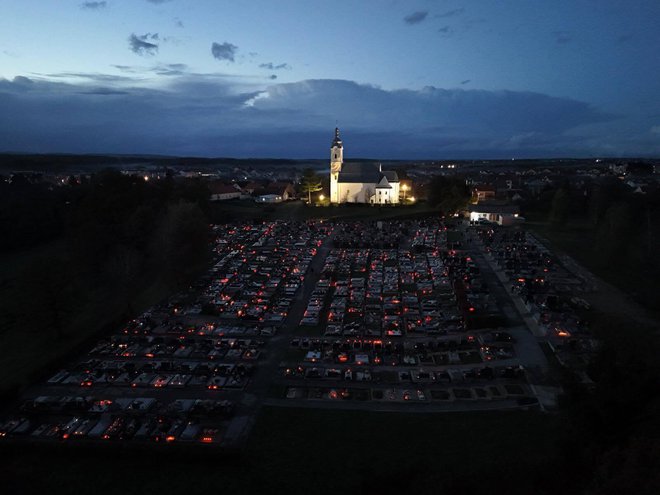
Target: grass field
(314, 451)
(298, 210)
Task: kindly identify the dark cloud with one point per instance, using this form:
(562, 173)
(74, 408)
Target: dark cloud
(160, 69)
(93, 5)
(22, 80)
(416, 17)
(466, 81)
(562, 37)
(224, 51)
(141, 46)
(87, 76)
(272, 66)
(170, 69)
(450, 13)
(220, 116)
(446, 31)
(272, 76)
(158, 1)
(177, 66)
(104, 92)
(178, 22)
(127, 68)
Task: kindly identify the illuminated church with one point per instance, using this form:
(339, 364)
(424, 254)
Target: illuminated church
(360, 182)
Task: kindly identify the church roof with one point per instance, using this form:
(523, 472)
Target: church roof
(383, 183)
(369, 173)
(391, 175)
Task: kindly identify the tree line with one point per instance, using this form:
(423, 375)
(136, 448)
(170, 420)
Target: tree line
(95, 246)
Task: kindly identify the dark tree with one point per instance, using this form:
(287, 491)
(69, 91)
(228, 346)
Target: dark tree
(310, 183)
(561, 207)
(449, 193)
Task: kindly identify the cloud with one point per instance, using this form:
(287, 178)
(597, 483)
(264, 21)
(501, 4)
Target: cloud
(655, 129)
(141, 46)
(170, 69)
(217, 115)
(562, 37)
(415, 17)
(157, 2)
(446, 31)
(271, 66)
(272, 76)
(22, 80)
(127, 68)
(160, 69)
(450, 13)
(104, 92)
(177, 66)
(93, 5)
(224, 51)
(178, 22)
(86, 76)
(624, 38)
(466, 81)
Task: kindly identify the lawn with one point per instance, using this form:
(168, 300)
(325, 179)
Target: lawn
(235, 210)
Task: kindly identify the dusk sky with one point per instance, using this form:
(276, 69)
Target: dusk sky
(264, 78)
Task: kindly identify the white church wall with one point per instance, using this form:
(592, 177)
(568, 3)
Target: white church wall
(353, 192)
(394, 194)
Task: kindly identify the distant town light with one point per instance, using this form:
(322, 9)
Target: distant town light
(146, 177)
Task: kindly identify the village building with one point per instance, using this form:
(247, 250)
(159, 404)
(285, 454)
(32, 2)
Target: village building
(223, 192)
(501, 214)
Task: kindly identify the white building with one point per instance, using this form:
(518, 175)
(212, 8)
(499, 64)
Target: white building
(269, 198)
(500, 214)
(360, 182)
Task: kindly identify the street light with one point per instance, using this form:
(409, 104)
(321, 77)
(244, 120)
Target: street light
(404, 188)
(321, 197)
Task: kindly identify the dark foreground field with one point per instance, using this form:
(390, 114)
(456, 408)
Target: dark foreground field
(247, 209)
(313, 451)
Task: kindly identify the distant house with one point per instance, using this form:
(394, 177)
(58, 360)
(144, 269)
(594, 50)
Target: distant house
(284, 189)
(500, 214)
(483, 192)
(222, 192)
(252, 186)
(269, 198)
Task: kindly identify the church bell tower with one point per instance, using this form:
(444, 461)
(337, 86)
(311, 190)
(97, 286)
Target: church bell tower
(336, 160)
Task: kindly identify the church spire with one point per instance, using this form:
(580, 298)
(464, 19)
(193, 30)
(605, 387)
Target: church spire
(336, 142)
